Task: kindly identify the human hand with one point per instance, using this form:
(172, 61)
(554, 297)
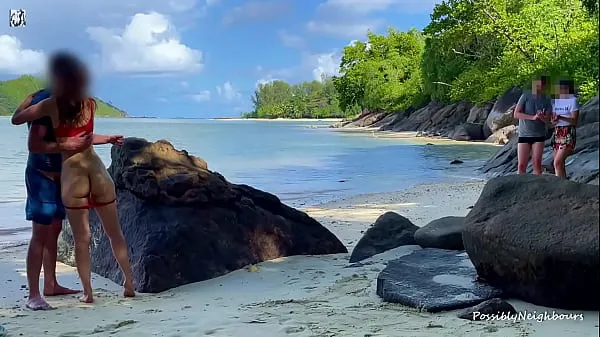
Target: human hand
(115, 139)
(79, 142)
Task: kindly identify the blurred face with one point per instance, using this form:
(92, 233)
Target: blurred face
(564, 90)
(57, 84)
(537, 86)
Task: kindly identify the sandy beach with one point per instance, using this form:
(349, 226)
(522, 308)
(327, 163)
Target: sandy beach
(332, 120)
(295, 296)
(411, 136)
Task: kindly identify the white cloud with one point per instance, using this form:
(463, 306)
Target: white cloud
(202, 96)
(322, 64)
(344, 29)
(365, 7)
(148, 44)
(290, 40)
(16, 60)
(228, 92)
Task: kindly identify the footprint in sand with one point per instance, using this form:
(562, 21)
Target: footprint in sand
(113, 327)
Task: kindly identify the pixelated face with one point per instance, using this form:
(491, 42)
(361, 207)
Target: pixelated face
(537, 85)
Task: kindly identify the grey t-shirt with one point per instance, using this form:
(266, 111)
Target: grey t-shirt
(530, 105)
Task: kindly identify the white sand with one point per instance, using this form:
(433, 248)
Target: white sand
(297, 296)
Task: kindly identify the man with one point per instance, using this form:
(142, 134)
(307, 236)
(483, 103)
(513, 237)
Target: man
(44, 205)
(533, 111)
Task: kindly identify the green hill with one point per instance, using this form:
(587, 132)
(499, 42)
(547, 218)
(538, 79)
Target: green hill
(13, 92)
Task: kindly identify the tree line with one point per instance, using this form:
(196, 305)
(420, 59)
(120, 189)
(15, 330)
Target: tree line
(471, 50)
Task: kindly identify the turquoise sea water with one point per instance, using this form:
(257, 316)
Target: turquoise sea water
(303, 163)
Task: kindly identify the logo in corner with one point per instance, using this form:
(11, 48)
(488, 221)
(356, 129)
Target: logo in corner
(16, 18)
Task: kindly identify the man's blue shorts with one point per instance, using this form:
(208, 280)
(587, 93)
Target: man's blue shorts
(44, 203)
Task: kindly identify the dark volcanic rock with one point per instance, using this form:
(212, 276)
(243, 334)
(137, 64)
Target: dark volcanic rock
(479, 114)
(495, 307)
(537, 239)
(443, 233)
(501, 114)
(390, 230)
(184, 223)
(582, 165)
(468, 132)
(433, 280)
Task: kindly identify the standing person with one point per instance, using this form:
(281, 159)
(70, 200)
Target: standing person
(533, 111)
(85, 181)
(44, 207)
(564, 116)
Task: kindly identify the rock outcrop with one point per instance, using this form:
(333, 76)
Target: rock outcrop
(459, 121)
(503, 136)
(433, 280)
(501, 114)
(184, 223)
(389, 231)
(536, 238)
(582, 165)
(443, 233)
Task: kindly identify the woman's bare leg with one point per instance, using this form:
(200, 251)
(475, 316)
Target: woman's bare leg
(103, 191)
(560, 156)
(79, 219)
(537, 152)
(75, 189)
(112, 228)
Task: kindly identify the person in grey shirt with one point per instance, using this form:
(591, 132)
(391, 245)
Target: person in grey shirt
(533, 111)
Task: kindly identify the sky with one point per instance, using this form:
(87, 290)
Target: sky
(196, 58)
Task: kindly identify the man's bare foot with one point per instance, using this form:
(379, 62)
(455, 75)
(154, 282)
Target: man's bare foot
(58, 290)
(87, 298)
(37, 303)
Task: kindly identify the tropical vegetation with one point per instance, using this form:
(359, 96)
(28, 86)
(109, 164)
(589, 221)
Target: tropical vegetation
(471, 50)
(13, 92)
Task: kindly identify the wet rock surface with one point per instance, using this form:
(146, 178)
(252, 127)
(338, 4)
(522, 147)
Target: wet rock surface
(433, 280)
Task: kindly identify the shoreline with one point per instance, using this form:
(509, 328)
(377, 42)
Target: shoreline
(279, 119)
(412, 136)
(292, 296)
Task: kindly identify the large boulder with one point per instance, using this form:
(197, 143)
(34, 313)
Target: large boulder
(433, 280)
(184, 223)
(479, 114)
(537, 239)
(501, 114)
(504, 135)
(389, 231)
(468, 132)
(443, 233)
(588, 113)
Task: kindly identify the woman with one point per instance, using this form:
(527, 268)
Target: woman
(565, 113)
(85, 182)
